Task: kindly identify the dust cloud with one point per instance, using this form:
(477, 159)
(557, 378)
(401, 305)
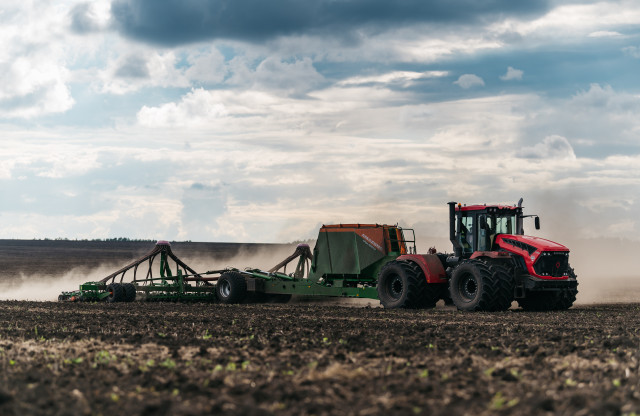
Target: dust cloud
(263, 258)
(607, 270)
(606, 266)
(48, 287)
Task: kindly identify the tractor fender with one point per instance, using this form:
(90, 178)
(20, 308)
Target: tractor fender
(430, 265)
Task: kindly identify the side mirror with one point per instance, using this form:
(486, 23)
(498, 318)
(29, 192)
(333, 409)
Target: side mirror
(537, 222)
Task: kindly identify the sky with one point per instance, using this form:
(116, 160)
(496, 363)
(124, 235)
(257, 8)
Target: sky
(256, 121)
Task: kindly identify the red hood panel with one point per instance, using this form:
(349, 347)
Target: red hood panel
(540, 243)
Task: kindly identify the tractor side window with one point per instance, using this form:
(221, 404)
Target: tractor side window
(485, 232)
(466, 234)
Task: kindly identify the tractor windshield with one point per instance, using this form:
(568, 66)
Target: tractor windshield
(504, 224)
(494, 223)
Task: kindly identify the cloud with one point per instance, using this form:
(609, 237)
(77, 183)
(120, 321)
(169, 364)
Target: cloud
(206, 65)
(133, 66)
(199, 107)
(178, 22)
(34, 75)
(141, 68)
(633, 51)
(599, 98)
(292, 78)
(469, 80)
(512, 74)
(404, 78)
(604, 34)
(551, 147)
(572, 22)
(90, 17)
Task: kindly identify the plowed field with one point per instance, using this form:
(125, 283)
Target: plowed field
(315, 359)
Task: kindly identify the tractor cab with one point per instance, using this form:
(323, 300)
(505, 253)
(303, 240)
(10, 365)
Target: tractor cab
(475, 227)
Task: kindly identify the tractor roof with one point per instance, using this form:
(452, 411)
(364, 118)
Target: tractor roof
(483, 207)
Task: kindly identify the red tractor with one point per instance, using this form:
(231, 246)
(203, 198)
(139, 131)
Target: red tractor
(494, 263)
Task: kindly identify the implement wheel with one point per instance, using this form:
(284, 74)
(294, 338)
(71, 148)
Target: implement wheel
(231, 288)
(116, 293)
(402, 284)
(478, 285)
(129, 292)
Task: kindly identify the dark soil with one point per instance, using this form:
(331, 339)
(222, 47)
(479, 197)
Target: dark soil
(311, 359)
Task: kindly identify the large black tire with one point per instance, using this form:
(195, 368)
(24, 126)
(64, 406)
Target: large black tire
(479, 285)
(116, 293)
(557, 300)
(402, 284)
(129, 292)
(231, 288)
(566, 297)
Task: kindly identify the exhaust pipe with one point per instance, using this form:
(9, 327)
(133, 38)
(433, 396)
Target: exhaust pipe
(457, 248)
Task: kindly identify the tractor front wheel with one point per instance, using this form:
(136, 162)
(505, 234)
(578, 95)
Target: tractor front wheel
(231, 288)
(478, 285)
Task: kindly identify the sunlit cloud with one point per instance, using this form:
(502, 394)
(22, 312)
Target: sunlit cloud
(512, 74)
(469, 80)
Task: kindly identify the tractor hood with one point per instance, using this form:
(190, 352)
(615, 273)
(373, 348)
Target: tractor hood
(543, 259)
(528, 243)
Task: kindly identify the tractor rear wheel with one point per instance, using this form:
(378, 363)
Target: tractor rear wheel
(402, 284)
(116, 293)
(478, 285)
(231, 288)
(129, 292)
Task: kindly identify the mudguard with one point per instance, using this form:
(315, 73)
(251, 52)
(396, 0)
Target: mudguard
(430, 265)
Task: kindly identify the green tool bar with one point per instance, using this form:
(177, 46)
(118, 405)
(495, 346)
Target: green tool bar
(304, 287)
(260, 274)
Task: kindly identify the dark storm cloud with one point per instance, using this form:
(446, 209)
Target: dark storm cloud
(174, 22)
